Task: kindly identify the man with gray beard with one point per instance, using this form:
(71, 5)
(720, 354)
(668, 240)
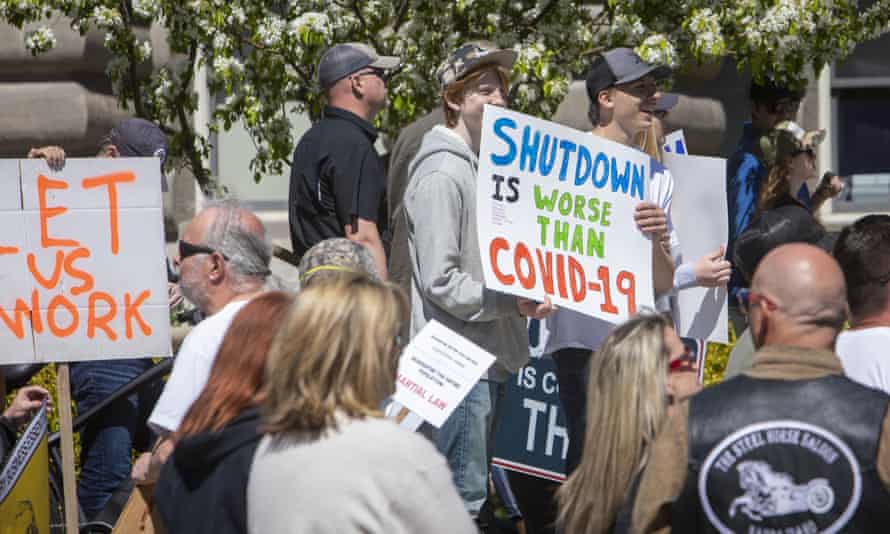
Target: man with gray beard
(223, 262)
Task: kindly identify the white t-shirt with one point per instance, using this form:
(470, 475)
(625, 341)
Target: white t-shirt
(865, 356)
(571, 329)
(192, 368)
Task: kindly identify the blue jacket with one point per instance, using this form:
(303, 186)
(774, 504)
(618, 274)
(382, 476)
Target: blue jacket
(744, 176)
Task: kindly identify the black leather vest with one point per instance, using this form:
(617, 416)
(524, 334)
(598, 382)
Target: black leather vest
(784, 456)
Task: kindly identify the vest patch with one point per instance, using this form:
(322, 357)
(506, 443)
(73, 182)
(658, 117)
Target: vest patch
(780, 477)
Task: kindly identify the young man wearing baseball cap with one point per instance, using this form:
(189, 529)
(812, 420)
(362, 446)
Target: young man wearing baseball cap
(337, 182)
(623, 98)
(447, 281)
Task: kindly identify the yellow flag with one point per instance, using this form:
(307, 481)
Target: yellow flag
(24, 482)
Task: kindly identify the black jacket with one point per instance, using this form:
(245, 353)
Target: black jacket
(203, 486)
(7, 440)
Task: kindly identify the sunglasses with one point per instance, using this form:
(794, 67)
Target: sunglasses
(375, 71)
(688, 361)
(748, 298)
(187, 249)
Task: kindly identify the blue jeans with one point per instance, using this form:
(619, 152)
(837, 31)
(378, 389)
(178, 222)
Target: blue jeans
(466, 439)
(107, 441)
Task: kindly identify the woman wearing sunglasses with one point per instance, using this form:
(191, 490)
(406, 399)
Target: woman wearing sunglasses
(637, 375)
(793, 151)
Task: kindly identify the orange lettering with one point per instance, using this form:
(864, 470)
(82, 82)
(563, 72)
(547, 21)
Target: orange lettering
(61, 300)
(96, 321)
(546, 263)
(53, 281)
(111, 181)
(74, 272)
(16, 327)
(498, 244)
(36, 321)
(131, 312)
(43, 184)
(8, 250)
(523, 255)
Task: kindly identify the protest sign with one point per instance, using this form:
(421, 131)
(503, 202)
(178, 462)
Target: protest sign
(532, 436)
(699, 214)
(555, 211)
(437, 370)
(24, 482)
(82, 262)
(675, 143)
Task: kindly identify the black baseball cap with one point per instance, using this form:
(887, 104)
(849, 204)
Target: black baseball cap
(619, 66)
(343, 59)
(139, 138)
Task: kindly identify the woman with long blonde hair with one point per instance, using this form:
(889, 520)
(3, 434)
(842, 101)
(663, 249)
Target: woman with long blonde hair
(329, 461)
(640, 369)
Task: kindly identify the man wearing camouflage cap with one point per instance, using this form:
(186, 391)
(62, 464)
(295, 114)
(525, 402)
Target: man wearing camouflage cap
(447, 282)
(332, 257)
(338, 183)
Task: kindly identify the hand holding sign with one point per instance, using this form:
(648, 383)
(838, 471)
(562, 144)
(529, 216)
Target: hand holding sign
(650, 219)
(534, 309)
(711, 270)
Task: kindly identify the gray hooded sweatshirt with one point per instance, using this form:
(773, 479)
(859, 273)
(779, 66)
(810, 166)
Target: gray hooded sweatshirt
(447, 282)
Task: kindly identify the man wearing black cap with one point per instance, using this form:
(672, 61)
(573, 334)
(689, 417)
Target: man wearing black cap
(107, 441)
(623, 97)
(337, 182)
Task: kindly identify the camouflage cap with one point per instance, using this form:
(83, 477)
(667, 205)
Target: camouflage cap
(786, 139)
(332, 256)
(469, 57)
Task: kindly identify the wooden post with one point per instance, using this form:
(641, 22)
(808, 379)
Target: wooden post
(69, 483)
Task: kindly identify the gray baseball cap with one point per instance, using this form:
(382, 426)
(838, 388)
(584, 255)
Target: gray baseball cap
(343, 59)
(137, 138)
(619, 66)
(667, 101)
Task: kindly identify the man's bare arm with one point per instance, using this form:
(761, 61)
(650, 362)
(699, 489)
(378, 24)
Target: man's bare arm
(366, 234)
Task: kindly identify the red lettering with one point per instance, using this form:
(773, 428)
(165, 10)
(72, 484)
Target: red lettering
(111, 181)
(61, 300)
(100, 321)
(627, 286)
(47, 212)
(546, 264)
(523, 255)
(498, 244)
(131, 313)
(72, 271)
(561, 276)
(607, 306)
(53, 280)
(577, 280)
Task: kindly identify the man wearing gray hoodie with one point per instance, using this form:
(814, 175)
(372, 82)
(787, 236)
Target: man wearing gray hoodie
(447, 281)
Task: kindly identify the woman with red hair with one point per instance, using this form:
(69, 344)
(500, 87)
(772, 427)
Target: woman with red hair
(202, 487)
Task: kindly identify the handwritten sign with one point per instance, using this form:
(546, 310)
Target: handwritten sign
(675, 143)
(82, 265)
(555, 215)
(699, 214)
(437, 370)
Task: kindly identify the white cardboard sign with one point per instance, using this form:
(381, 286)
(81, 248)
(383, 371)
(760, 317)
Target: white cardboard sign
(699, 214)
(437, 370)
(675, 143)
(555, 211)
(82, 265)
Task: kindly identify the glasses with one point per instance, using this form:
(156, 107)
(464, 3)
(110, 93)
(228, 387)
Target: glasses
(187, 249)
(688, 361)
(375, 71)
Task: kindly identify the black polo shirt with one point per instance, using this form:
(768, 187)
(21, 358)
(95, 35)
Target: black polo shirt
(336, 176)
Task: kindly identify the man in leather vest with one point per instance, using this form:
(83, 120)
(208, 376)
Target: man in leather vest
(789, 446)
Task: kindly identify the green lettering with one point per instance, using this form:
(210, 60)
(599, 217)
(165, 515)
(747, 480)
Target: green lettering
(543, 221)
(578, 239)
(560, 235)
(595, 243)
(542, 202)
(565, 204)
(607, 211)
(579, 206)
(593, 204)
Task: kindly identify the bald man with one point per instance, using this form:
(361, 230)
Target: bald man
(223, 262)
(789, 446)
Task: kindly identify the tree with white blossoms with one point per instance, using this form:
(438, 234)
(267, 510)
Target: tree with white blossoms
(261, 54)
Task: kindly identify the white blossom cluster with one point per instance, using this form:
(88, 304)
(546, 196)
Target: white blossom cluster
(107, 17)
(658, 50)
(704, 25)
(40, 40)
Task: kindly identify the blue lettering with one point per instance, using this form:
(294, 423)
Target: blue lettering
(636, 187)
(620, 181)
(499, 126)
(583, 162)
(545, 165)
(529, 150)
(567, 148)
(600, 179)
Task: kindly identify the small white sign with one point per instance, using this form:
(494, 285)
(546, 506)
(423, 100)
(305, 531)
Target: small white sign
(675, 143)
(437, 370)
